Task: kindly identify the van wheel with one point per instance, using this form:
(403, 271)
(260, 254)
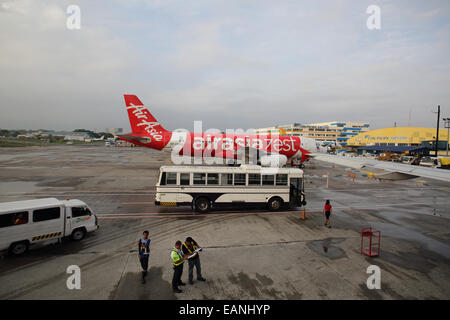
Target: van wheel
(275, 204)
(78, 234)
(18, 248)
(202, 205)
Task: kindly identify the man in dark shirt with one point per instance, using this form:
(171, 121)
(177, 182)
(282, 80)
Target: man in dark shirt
(144, 253)
(189, 248)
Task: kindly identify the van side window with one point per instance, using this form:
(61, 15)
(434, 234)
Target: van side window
(46, 214)
(80, 212)
(13, 219)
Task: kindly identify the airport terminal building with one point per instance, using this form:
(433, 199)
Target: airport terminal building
(337, 132)
(399, 137)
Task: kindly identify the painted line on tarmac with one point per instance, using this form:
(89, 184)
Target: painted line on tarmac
(109, 216)
(65, 193)
(152, 215)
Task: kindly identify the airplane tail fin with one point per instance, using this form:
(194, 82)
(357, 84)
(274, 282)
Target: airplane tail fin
(141, 120)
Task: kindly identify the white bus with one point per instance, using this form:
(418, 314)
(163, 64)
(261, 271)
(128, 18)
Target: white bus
(206, 187)
(43, 221)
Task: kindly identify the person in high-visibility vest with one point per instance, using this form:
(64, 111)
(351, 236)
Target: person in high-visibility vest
(191, 248)
(178, 260)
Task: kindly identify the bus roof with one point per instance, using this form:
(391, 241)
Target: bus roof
(231, 169)
(29, 204)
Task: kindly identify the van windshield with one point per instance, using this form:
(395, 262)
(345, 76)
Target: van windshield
(80, 212)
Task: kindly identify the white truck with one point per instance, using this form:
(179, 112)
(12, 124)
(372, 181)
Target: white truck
(43, 221)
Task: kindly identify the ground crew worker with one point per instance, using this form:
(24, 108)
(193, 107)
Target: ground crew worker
(144, 253)
(327, 211)
(178, 260)
(189, 247)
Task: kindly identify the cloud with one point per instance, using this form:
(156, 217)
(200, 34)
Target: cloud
(231, 64)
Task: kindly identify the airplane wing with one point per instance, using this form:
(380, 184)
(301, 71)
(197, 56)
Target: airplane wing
(392, 170)
(134, 137)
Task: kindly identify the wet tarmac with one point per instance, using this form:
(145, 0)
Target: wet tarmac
(251, 254)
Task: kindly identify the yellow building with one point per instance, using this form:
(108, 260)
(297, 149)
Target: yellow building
(397, 136)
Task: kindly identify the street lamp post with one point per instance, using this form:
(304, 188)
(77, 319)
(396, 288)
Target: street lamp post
(447, 125)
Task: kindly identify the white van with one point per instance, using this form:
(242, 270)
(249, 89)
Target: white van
(43, 221)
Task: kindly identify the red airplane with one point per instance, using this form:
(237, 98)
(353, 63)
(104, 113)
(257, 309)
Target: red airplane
(147, 132)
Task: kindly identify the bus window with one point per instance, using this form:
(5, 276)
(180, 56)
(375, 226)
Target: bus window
(254, 178)
(268, 180)
(199, 178)
(213, 178)
(184, 179)
(227, 179)
(171, 178)
(162, 182)
(281, 179)
(239, 179)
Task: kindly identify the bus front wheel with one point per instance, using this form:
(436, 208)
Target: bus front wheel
(202, 205)
(275, 204)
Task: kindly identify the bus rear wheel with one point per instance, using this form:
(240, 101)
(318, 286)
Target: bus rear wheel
(275, 204)
(202, 205)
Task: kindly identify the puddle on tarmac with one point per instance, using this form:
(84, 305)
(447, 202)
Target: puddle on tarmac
(326, 248)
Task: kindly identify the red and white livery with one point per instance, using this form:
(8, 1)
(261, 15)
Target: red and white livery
(148, 132)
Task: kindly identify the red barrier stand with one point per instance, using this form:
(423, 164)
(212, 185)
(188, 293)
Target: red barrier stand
(370, 242)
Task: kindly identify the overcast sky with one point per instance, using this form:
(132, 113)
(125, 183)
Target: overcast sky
(230, 63)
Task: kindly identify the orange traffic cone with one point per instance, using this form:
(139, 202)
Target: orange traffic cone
(304, 214)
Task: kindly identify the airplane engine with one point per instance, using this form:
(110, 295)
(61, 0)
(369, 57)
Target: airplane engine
(273, 160)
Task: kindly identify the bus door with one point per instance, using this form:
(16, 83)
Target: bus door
(295, 191)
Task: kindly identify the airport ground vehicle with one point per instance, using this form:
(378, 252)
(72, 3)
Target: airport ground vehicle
(43, 221)
(206, 187)
(428, 162)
